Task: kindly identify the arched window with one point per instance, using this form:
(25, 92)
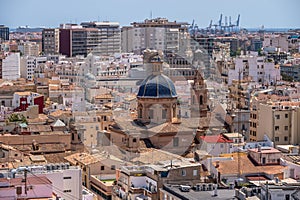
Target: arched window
(174, 110)
(201, 100)
(140, 113)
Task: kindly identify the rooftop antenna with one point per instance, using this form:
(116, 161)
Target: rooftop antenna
(151, 14)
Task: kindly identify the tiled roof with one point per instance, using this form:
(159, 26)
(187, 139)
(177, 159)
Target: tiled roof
(215, 139)
(31, 181)
(230, 167)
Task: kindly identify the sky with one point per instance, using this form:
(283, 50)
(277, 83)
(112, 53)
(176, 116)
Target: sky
(51, 13)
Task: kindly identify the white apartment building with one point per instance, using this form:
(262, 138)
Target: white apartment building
(11, 66)
(109, 36)
(159, 34)
(66, 180)
(255, 68)
(276, 41)
(31, 49)
(29, 64)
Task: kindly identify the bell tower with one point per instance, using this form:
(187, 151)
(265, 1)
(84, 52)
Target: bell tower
(198, 96)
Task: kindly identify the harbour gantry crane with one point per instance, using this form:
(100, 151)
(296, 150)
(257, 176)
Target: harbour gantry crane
(238, 23)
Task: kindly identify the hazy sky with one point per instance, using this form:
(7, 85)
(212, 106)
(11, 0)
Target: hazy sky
(51, 13)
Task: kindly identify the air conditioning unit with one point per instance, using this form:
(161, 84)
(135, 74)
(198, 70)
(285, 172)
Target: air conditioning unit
(198, 187)
(185, 188)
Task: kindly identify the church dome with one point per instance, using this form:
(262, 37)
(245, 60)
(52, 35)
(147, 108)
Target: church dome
(90, 77)
(157, 86)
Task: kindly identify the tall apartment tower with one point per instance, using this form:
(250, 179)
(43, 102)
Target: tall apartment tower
(4, 33)
(75, 40)
(109, 36)
(159, 34)
(51, 41)
(11, 66)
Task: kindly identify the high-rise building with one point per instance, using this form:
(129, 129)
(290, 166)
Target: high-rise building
(51, 41)
(159, 34)
(75, 40)
(100, 38)
(11, 66)
(31, 49)
(109, 36)
(4, 33)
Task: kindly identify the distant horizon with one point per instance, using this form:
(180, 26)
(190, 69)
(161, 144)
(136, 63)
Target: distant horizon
(43, 26)
(254, 13)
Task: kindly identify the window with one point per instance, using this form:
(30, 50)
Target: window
(276, 128)
(195, 172)
(286, 115)
(201, 100)
(175, 141)
(67, 191)
(183, 172)
(277, 116)
(286, 128)
(102, 168)
(67, 177)
(164, 113)
(134, 140)
(113, 167)
(222, 146)
(276, 139)
(286, 138)
(19, 190)
(151, 114)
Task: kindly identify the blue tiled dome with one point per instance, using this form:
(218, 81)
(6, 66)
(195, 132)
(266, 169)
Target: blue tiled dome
(157, 86)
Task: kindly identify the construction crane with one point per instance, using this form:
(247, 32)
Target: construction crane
(220, 20)
(238, 22)
(208, 29)
(220, 27)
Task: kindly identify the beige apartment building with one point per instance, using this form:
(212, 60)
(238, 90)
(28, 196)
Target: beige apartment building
(280, 122)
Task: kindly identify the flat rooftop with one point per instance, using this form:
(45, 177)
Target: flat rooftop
(195, 195)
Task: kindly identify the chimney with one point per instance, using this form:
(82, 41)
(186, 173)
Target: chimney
(217, 163)
(259, 148)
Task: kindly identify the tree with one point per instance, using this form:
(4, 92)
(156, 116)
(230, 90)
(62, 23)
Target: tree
(17, 118)
(286, 77)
